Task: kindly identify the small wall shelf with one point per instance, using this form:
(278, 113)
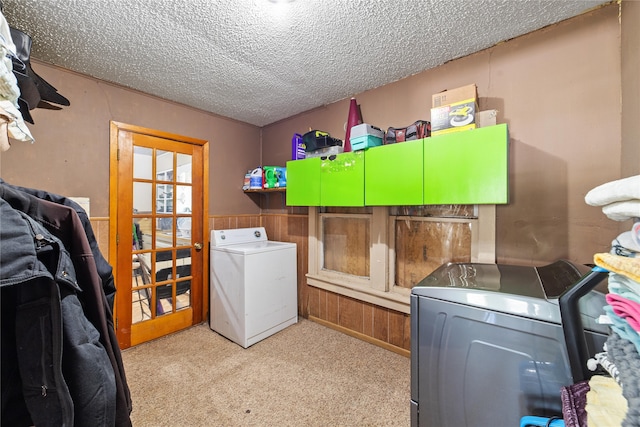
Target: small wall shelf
(267, 190)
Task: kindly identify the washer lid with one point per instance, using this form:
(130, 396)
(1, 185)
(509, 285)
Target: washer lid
(254, 247)
(238, 236)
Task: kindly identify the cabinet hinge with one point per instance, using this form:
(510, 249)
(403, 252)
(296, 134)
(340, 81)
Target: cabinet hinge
(118, 154)
(117, 239)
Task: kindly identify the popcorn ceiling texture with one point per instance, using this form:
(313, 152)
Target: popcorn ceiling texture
(260, 62)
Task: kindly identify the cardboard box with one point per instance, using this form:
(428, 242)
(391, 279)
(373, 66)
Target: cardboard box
(451, 96)
(454, 110)
(486, 118)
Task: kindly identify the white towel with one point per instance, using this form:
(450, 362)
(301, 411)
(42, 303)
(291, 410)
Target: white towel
(626, 243)
(614, 191)
(622, 211)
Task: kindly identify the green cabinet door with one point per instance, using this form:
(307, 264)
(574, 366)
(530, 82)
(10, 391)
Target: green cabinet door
(467, 167)
(303, 182)
(342, 179)
(393, 174)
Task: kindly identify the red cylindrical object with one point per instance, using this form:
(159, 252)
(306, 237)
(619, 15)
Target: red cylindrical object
(354, 119)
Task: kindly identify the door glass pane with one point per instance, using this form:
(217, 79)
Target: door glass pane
(183, 199)
(164, 165)
(183, 233)
(142, 197)
(164, 300)
(142, 163)
(164, 198)
(142, 233)
(141, 309)
(184, 169)
(346, 244)
(164, 232)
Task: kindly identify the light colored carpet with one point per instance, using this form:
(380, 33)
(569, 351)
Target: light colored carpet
(305, 375)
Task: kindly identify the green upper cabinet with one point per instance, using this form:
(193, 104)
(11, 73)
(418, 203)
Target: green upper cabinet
(342, 180)
(467, 167)
(303, 182)
(336, 180)
(393, 174)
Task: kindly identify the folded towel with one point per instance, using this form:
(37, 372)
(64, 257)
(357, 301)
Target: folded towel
(606, 406)
(623, 286)
(614, 191)
(626, 244)
(622, 327)
(622, 211)
(626, 309)
(629, 267)
(625, 356)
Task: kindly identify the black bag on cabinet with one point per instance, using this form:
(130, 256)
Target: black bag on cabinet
(316, 139)
(416, 130)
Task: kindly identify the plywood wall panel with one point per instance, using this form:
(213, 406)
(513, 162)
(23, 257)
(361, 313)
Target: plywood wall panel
(381, 323)
(423, 246)
(333, 308)
(313, 303)
(100, 228)
(407, 332)
(225, 222)
(322, 304)
(350, 314)
(396, 329)
(367, 319)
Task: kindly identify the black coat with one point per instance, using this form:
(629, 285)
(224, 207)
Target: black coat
(70, 330)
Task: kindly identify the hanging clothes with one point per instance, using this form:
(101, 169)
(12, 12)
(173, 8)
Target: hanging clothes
(61, 363)
(104, 268)
(9, 91)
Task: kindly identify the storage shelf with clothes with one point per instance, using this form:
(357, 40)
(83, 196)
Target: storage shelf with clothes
(614, 395)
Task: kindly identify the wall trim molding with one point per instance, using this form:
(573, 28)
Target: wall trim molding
(363, 337)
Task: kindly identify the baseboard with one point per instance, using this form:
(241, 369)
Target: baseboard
(363, 337)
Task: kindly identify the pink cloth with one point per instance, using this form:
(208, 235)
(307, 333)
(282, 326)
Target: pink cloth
(626, 309)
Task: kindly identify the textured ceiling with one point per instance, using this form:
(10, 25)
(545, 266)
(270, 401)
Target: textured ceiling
(259, 62)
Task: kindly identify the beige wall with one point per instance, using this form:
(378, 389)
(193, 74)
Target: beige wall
(559, 91)
(630, 48)
(71, 152)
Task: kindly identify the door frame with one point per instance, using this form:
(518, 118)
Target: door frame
(114, 157)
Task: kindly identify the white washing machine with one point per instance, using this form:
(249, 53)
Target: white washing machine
(254, 291)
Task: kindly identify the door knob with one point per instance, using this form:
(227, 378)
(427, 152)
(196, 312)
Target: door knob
(198, 246)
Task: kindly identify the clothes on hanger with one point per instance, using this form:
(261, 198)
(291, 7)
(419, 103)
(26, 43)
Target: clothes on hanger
(61, 363)
(9, 91)
(35, 92)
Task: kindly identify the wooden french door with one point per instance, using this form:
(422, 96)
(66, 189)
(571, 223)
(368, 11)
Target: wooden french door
(159, 241)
